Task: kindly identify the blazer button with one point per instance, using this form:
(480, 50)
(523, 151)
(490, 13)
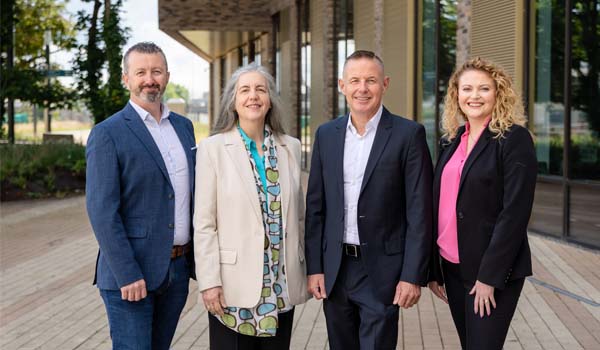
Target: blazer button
(460, 215)
(171, 196)
(171, 225)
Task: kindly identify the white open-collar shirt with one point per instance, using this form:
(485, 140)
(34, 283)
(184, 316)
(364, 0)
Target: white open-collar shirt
(175, 160)
(357, 149)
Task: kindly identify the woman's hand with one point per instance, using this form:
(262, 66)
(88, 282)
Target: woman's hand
(438, 290)
(484, 298)
(214, 301)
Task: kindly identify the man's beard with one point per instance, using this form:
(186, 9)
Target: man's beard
(150, 96)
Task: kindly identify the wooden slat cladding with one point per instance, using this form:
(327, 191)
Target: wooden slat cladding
(397, 51)
(364, 27)
(495, 34)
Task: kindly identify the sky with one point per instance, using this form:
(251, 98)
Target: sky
(141, 16)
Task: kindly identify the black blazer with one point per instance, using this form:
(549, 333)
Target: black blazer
(493, 207)
(394, 207)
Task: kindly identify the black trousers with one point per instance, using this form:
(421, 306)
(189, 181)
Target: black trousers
(356, 319)
(474, 331)
(223, 338)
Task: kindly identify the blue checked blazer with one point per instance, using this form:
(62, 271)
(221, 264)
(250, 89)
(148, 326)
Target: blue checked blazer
(130, 199)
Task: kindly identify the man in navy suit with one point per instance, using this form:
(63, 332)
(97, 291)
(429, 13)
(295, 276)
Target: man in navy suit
(368, 213)
(140, 182)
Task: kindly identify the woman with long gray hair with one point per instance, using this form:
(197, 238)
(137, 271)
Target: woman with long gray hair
(249, 218)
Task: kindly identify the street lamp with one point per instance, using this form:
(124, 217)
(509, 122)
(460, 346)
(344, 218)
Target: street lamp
(47, 117)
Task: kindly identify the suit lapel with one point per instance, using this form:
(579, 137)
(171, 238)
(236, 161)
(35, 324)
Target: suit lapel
(481, 144)
(442, 161)
(340, 140)
(384, 130)
(284, 174)
(136, 125)
(239, 156)
(187, 143)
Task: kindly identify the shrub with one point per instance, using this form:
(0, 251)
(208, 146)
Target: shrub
(40, 170)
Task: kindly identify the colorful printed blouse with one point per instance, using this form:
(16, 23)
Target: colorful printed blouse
(262, 320)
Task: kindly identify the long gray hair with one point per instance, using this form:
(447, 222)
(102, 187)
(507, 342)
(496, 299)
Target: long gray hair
(228, 116)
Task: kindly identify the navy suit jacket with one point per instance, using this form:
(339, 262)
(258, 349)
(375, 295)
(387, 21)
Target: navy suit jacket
(394, 206)
(130, 199)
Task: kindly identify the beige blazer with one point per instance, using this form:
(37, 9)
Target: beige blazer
(228, 225)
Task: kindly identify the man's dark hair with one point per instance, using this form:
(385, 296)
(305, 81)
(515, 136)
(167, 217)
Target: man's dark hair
(147, 47)
(358, 54)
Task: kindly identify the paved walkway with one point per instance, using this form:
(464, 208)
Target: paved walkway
(47, 301)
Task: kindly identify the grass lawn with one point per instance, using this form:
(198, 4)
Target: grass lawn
(24, 131)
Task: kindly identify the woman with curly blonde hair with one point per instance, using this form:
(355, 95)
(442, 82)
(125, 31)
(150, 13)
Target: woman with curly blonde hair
(483, 194)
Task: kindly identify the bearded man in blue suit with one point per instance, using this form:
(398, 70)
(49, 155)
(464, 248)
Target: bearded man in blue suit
(140, 183)
(368, 213)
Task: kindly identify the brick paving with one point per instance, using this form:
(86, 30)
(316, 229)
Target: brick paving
(47, 301)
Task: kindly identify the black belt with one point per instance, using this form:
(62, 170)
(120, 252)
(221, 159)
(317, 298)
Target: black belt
(352, 250)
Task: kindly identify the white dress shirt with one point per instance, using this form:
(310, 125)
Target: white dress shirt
(357, 149)
(173, 155)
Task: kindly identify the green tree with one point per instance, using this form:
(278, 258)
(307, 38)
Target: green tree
(102, 52)
(585, 65)
(25, 38)
(177, 91)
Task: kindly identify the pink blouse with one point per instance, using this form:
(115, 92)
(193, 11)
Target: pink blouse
(447, 229)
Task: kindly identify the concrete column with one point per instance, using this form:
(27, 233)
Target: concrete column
(463, 32)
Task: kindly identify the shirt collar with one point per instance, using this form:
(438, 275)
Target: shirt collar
(247, 140)
(371, 124)
(144, 114)
(485, 124)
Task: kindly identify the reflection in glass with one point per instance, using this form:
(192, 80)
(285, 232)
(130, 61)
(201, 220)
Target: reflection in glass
(431, 57)
(585, 91)
(428, 55)
(584, 222)
(547, 214)
(447, 59)
(547, 116)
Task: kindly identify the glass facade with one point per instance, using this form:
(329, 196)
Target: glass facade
(565, 119)
(428, 113)
(584, 133)
(438, 59)
(446, 58)
(257, 50)
(276, 53)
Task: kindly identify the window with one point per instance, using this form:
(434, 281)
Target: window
(566, 119)
(438, 57)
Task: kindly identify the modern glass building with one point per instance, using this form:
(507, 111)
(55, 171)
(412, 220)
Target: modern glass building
(551, 48)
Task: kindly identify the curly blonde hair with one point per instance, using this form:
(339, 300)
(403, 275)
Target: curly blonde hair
(507, 111)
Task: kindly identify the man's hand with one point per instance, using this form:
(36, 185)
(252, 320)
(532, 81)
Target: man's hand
(214, 300)
(135, 291)
(316, 285)
(438, 290)
(407, 294)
